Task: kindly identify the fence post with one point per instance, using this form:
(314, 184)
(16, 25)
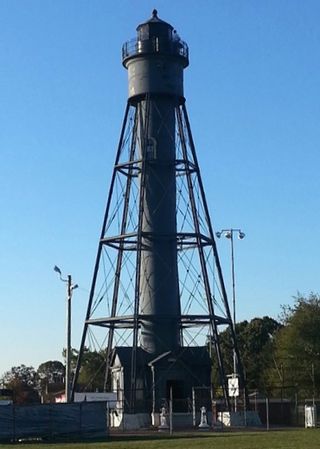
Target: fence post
(245, 407)
(170, 410)
(123, 403)
(193, 407)
(296, 409)
(50, 421)
(13, 422)
(108, 419)
(267, 412)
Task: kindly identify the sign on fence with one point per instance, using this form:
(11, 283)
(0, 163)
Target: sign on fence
(310, 415)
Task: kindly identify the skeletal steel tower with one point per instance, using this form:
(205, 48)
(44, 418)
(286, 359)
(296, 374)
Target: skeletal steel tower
(157, 290)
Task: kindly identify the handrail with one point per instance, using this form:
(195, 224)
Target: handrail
(155, 45)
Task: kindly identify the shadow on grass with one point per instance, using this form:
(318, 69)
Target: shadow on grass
(154, 435)
(179, 436)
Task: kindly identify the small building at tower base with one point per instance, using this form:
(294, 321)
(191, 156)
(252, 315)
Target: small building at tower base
(158, 379)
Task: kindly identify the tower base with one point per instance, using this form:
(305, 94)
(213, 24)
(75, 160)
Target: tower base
(158, 379)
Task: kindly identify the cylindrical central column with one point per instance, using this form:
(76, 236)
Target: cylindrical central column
(155, 63)
(159, 287)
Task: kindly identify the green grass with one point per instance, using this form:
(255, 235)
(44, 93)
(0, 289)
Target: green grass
(280, 439)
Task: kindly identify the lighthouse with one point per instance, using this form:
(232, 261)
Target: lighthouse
(155, 63)
(157, 295)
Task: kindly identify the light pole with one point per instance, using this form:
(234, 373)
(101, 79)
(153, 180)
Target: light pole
(229, 234)
(70, 288)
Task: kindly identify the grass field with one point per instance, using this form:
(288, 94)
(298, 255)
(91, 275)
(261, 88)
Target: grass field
(280, 439)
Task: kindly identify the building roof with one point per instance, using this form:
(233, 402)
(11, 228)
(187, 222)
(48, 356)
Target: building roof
(155, 19)
(195, 355)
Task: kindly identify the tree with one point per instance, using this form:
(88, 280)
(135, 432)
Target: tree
(23, 380)
(25, 374)
(52, 371)
(92, 373)
(254, 344)
(51, 379)
(297, 348)
(255, 347)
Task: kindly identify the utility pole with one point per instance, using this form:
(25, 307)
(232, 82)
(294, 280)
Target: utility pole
(70, 288)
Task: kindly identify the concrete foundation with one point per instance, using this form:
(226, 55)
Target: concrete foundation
(128, 421)
(239, 419)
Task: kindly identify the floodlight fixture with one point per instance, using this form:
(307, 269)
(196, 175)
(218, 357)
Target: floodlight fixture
(57, 269)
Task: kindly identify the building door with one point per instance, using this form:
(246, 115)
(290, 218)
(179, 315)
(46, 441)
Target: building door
(178, 399)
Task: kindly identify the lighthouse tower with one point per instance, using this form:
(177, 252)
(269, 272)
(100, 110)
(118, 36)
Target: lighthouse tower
(157, 296)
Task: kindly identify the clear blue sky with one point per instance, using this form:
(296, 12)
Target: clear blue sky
(253, 97)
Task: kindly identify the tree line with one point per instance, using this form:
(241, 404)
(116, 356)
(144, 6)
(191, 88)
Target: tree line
(44, 384)
(280, 358)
